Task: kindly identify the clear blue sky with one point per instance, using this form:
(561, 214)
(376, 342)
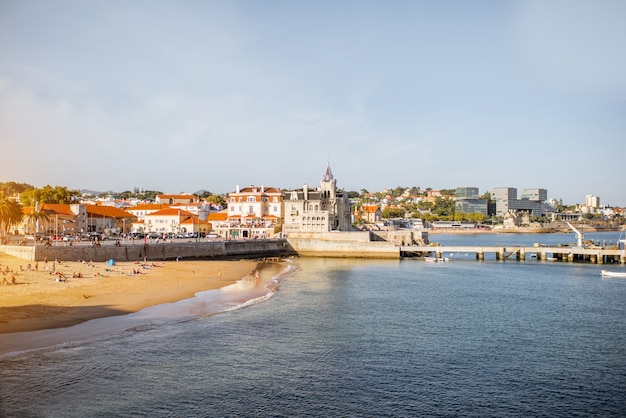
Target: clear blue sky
(187, 95)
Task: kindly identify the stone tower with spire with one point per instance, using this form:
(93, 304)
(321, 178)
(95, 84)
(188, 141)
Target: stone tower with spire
(320, 209)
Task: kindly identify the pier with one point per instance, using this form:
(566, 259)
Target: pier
(521, 253)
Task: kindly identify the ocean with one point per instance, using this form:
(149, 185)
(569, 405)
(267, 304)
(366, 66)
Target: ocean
(353, 338)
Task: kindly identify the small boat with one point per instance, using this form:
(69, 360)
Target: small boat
(606, 273)
(436, 259)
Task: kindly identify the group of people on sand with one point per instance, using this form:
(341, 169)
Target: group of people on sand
(6, 271)
(6, 281)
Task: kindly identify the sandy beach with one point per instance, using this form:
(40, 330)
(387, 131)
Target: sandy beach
(53, 295)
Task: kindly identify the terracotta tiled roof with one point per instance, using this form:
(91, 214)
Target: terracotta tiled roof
(170, 212)
(107, 211)
(218, 216)
(176, 196)
(148, 206)
(186, 204)
(251, 190)
(370, 208)
(51, 208)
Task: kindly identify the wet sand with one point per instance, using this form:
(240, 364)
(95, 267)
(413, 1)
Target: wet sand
(41, 298)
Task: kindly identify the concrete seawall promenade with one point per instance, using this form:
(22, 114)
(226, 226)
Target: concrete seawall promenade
(216, 250)
(343, 244)
(358, 244)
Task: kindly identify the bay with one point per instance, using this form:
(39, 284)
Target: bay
(351, 337)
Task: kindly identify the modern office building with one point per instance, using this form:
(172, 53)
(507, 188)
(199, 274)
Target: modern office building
(536, 195)
(503, 197)
(466, 193)
(466, 201)
(533, 201)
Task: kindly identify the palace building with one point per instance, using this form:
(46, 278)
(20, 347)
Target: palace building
(321, 209)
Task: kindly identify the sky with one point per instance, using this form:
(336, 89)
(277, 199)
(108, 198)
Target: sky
(189, 95)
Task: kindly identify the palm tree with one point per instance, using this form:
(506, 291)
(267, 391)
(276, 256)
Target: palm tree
(10, 214)
(35, 217)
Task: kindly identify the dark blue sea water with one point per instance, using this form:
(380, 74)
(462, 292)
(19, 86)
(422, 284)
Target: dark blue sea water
(357, 338)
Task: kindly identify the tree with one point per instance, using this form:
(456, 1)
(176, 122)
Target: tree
(217, 199)
(47, 194)
(35, 217)
(444, 207)
(398, 191)
(390, 212)
(425, 205)
(415, 191)
(10, 214)
(10, 188)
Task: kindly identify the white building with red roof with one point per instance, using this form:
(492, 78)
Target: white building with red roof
(252, 212)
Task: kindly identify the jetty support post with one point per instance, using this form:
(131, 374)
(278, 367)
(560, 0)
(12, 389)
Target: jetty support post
(521, 254)
(500, 253)
(480, 254)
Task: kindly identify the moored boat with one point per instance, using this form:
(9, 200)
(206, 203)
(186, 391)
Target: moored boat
(606, 273)
(436, 259)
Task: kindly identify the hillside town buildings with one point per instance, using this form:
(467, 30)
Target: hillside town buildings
(265, 212)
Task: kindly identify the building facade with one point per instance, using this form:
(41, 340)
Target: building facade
(321, 209)
(535, 195)
(466, 201)
(252, 212)
(592, 201)
(533, 201)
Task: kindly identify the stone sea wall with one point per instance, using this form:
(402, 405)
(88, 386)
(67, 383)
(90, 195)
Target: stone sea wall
(360, 244)
(161, 251)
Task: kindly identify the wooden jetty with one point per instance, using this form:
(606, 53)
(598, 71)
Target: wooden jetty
(596, 255)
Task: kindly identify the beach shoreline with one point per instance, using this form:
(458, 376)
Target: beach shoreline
(61, 294)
